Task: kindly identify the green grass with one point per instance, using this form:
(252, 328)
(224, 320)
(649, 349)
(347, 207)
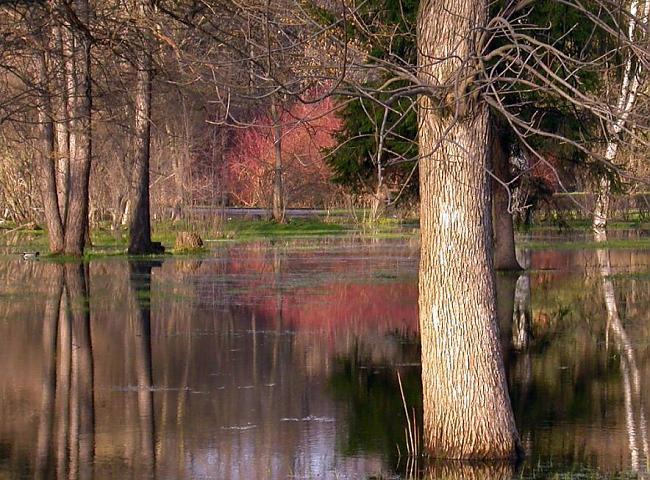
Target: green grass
(634, 244)
(107, 244)
(259, 229)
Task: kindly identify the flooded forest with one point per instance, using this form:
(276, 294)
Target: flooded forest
(316, 239)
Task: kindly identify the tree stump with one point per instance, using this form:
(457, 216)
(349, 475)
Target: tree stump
(187, 242)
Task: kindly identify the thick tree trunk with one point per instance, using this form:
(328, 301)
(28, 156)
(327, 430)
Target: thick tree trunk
(278, 190)
(47, 158)
(81, 138)
(140, 227)
(467, 410)
(505, 257)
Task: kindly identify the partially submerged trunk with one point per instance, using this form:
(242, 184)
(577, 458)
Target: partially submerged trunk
(505, 257)
(467, 410)
(140, 226)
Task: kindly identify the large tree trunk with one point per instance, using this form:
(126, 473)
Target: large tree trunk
(140, 227)
(81, 137)
(278, 190)
(467, 410)
(505, 257)
(47, 158)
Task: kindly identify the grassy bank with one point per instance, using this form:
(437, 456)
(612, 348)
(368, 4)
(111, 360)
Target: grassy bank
(106, 242)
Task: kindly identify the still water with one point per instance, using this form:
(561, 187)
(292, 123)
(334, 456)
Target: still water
(280, 361)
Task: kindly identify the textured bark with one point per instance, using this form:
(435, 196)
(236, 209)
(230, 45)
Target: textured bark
(140, 225)
(505, 257)
(47, 157)
(278, 190)
(65, 86)
(467, 410)
(601, 206)
(80, 136)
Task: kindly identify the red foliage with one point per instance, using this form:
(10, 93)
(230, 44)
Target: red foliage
(306, 130)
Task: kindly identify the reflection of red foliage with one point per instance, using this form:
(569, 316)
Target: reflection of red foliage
(339, 303)
(347, 307)
(306, 130)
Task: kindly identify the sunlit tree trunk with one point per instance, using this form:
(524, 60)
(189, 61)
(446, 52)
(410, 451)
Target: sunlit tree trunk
(630, 86)
(140, 227)
(278, 190)
(505, 257)
(80, 135)
(467, 410)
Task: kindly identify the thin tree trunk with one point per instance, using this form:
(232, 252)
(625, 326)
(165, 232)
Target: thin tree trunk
(278, 190)
(65, 86)
(47, 158)
(140, 226)
(505, 257)
(467, 410)
(522, 314)
(81, 137)
(630, 86)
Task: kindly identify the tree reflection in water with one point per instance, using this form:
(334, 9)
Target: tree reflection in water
(67, 385)
(632, 391)
(140, 322)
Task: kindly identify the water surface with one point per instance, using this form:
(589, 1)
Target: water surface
(281, 361)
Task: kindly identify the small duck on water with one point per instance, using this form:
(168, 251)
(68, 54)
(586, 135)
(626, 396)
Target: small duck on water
(30, 255)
